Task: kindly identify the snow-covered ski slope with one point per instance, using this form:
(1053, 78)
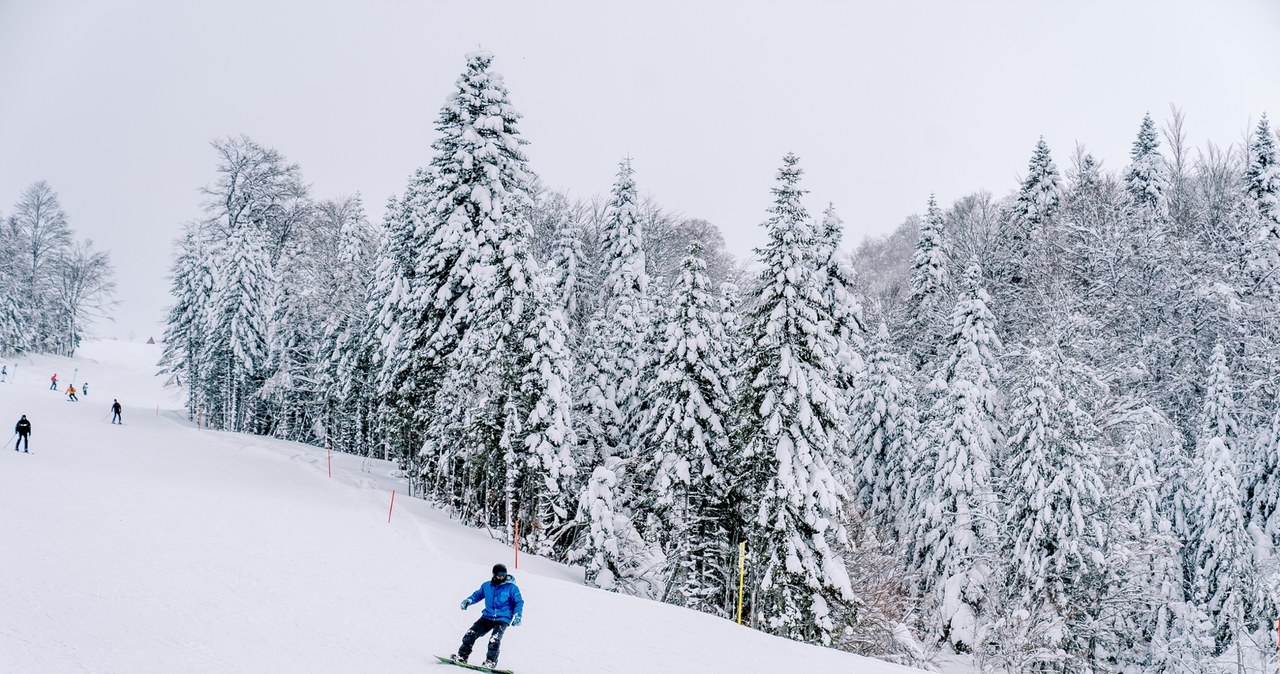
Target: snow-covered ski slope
(157, 547)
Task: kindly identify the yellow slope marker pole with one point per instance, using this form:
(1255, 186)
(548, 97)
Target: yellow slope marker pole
(742, 575)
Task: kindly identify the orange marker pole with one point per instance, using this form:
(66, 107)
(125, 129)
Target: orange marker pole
(393, 506)
(517, 545)
(330, 448)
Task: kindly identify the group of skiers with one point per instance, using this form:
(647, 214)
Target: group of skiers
(22, 430)
(71, 388)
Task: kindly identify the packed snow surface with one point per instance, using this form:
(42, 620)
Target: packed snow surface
(158, 547)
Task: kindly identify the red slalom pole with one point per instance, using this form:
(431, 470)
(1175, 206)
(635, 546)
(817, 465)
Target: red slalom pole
(393, 506)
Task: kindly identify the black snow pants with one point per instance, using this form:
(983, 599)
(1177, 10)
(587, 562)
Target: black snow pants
(479, 629)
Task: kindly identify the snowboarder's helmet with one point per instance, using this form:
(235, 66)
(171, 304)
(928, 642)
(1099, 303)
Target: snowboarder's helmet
(499, 569)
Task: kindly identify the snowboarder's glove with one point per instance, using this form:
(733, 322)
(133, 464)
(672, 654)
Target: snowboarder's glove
(465, 603)
(515, 622)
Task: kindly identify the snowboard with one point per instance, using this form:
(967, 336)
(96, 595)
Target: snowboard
(478, 668)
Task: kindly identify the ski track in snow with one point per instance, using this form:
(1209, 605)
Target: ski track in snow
(157, 547)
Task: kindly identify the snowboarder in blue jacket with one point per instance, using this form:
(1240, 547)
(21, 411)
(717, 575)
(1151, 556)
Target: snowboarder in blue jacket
(503, 607)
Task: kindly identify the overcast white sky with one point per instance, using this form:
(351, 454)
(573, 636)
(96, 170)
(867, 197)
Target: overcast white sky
(114, 102)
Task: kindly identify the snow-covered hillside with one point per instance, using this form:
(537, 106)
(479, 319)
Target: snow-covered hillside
(157, 547)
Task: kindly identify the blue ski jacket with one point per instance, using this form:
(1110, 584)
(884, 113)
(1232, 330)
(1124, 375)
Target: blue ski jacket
(502, 602)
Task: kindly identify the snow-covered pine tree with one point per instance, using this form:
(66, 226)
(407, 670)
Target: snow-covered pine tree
(1036, 205)
(1041, 193)
(288, 388)
(186, 326)
(541, 472)
(1220, 550)
(885, 430)
(344, 370)
(930, 291)
(1153, 625)
(687, 450)
(956, 517)
(615, 361)
(848, 325)
(450, 216)
(392, 305)
(1146, 180)
(790, 415)
(233, 356)
(13, 339)
(619, 331)
(1146, 183)
(564, 270)
(498, 425)
(1262, 187)
(1262, 504)
(1053, 527)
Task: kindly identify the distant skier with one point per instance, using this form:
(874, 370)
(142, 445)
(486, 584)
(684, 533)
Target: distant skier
(85, 389)
(4, 373)
(115, 412)
(503, 607)
(23, 429)
(53, 382)
(71, 393)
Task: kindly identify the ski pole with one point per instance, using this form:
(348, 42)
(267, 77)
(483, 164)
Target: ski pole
(15, 446)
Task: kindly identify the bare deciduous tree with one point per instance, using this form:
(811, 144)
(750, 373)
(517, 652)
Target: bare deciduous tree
(85, 291)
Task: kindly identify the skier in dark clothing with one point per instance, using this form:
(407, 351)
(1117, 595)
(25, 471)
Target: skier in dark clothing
(85, 389)
(503, 607)
(23, 429)
(115, 412)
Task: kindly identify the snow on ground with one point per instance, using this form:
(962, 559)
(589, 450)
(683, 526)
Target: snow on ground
(157, 547)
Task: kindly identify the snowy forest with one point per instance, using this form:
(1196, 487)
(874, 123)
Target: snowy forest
(52, 286)
(1040, 429)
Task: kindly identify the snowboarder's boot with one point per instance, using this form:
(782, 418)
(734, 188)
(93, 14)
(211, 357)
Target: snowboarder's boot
(490, 664)
(458, 658)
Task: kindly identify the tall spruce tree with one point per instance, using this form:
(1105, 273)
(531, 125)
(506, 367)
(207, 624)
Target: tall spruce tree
(498, 427)
(685, 431)
(617, 342)
(955, 532)
(238, 322)
(1220, 549)
(186, 328)
(930, 291)
(1262, 187)
(848, 324)
(1053, 525)
(790, 414)
(1041, 194)
(885, 430)
(1021, 259)
(619, 333)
